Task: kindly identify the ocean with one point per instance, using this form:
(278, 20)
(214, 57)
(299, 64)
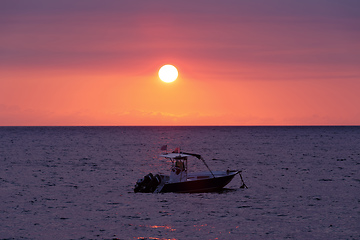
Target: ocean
(77, 183)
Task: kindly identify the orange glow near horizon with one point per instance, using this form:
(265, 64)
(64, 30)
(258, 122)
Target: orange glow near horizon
(238, 65)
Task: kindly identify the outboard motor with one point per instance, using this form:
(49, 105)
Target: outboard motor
(148, 184)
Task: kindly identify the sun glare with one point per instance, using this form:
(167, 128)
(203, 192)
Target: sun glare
(168, 73)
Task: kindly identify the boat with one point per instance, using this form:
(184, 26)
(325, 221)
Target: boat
(182, 181)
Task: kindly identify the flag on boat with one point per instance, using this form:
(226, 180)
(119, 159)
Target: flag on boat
(177, 150)
(164, 148)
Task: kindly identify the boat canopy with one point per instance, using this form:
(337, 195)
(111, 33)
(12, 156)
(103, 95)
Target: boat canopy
(180, 155)
(184, 155)
(175, 155)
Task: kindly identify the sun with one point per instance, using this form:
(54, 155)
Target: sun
(168, 73)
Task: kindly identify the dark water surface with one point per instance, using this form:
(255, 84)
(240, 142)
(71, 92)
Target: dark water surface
(77, 183)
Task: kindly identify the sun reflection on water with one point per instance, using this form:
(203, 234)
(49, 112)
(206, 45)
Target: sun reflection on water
(164, 227)
(169, 228)
(143, 238)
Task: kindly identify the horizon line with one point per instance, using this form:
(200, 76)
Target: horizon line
(290, 125)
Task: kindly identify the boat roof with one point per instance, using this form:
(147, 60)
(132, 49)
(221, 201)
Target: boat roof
(175, 155)
(180, 155)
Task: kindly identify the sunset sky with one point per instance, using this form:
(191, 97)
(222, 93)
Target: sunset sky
(240, 62)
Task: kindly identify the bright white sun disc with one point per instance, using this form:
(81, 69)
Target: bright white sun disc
(168, 73)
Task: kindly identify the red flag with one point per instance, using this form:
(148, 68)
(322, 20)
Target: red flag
(177, 150)
(164, 148)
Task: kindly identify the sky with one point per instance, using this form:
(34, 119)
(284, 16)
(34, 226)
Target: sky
(240, 62)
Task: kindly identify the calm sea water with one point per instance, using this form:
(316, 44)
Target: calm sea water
(77, 183)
